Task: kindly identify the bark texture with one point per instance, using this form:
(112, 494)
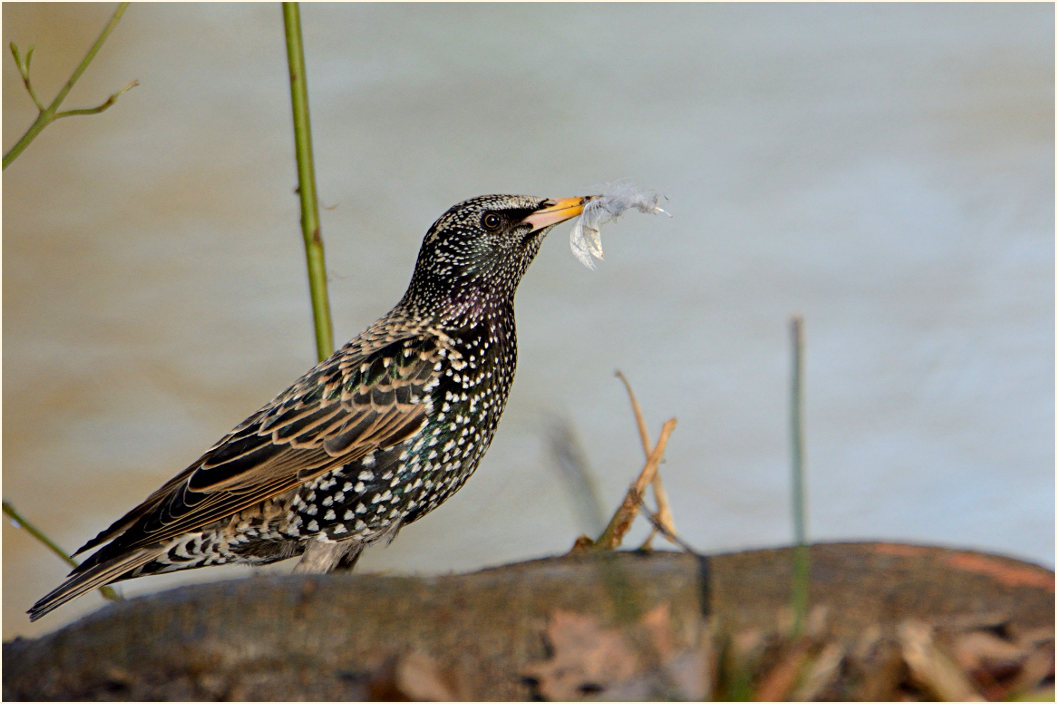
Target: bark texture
(474, 635)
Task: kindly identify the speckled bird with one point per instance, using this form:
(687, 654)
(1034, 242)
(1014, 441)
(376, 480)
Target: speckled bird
(370, 439)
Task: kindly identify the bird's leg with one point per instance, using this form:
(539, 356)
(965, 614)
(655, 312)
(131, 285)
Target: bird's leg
(348, 560)
(320, 557)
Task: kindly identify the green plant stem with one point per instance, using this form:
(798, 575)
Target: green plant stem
(317, 271)
(51, 113)
(37, 533)
(801, 557)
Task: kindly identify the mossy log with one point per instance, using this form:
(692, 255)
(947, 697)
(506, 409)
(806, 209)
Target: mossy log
(329, 637)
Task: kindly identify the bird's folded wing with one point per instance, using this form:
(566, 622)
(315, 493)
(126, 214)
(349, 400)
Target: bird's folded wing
(336, 414)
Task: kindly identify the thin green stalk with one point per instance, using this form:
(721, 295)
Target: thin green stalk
(47, 115)
(801, 557)
(317, 271)
(25, 525)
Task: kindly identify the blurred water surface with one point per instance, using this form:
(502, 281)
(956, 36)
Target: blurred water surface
(885, 170)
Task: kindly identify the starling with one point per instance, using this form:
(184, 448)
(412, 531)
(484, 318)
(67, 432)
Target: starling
(370, 439)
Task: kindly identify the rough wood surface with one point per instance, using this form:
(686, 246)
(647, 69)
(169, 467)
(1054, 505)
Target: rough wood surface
(475, 635)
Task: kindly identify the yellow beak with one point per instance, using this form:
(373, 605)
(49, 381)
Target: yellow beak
(556, 211)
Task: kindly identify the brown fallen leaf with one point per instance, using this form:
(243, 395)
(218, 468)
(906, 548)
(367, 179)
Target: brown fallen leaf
(687, 676)
(932, 668)
(779, 680)
(981, 649)
(419, 677)
(1037, 670)
(412, 677)
(587, 658)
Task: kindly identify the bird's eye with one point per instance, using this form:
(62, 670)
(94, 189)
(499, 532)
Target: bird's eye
(491, 222)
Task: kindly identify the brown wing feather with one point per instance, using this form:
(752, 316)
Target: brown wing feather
(100, 574)
(346, 407)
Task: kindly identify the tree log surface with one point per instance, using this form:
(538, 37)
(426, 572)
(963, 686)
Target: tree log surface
(319, 637)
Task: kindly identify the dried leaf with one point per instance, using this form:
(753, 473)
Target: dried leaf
(657, 625)
(931, 667)
(689, 676)
(777, 682)
(418, 676)
(413, 677)
(1037, 669)
(980, 649)
(587, 658)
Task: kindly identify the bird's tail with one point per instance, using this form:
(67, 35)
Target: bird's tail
(90, 576)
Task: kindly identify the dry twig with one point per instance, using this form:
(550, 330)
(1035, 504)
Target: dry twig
(621, 521)
(664, 512)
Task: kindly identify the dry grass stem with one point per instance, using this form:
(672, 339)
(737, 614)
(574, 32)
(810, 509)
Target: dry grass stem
(11, 512)
(931, 667)
(640, 420)
(664, 512)
(821, 672)
(619, 524)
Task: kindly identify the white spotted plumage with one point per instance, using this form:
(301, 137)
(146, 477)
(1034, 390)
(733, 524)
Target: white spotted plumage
(370, 439)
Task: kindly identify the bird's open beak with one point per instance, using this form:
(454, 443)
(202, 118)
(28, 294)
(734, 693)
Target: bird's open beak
(555, 211)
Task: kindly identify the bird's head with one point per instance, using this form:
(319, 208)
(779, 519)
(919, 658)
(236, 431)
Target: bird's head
(474, 255)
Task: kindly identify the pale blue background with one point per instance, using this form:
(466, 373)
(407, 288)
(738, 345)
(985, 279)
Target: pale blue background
(884, 170)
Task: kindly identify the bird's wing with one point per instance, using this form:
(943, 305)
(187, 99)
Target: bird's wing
(368, 397)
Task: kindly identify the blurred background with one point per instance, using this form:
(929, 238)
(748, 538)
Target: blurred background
(887, 171)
